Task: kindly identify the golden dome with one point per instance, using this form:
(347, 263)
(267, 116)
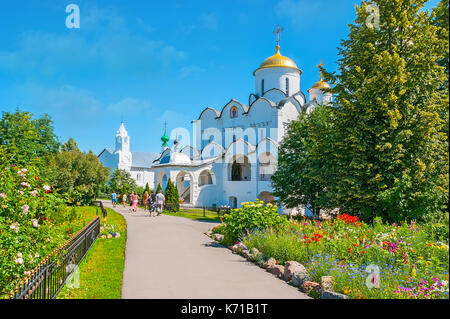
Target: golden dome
(277, 61)
(321, 85)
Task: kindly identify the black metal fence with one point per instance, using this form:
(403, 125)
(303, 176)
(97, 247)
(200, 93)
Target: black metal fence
(47, 279)
(100, 204)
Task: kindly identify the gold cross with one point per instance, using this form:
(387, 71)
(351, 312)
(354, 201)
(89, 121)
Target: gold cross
(277, 33)
(319, 65)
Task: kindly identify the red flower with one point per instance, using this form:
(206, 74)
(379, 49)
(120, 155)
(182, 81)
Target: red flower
(348, 219)
(354, 245)
(363, 252)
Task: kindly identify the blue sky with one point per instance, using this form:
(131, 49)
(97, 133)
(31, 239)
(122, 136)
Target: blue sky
(151, 61)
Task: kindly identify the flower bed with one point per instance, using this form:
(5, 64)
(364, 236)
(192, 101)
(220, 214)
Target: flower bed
(412, 262)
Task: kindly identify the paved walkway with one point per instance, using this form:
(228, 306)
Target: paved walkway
(171, 257)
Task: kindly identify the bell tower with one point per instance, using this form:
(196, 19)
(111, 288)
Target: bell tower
(123, 148)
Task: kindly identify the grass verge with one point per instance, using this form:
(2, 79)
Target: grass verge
(101, 271)
(196, 214)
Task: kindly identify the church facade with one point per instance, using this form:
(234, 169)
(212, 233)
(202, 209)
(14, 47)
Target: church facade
(235, 149)
(136, 163)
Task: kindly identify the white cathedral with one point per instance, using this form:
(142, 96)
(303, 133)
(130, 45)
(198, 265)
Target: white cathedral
(235, 151)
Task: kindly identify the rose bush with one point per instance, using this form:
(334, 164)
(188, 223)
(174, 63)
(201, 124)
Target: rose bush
(33, 222)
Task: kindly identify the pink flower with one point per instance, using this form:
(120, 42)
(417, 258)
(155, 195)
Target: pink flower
(33, 193)
(25, 208)
(2, 195)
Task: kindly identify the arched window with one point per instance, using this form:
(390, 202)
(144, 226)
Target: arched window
(205, 178)
(240, 169)
(234, 112)
(287, 86)
(262, 87)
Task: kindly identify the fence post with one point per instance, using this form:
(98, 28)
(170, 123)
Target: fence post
(44, 284)
(204, 211)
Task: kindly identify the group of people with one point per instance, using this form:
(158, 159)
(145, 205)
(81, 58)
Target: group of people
(152, 202)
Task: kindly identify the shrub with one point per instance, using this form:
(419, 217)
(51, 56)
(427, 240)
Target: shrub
(172, 197)
(250, 217)
(219, 229)
(30, 222)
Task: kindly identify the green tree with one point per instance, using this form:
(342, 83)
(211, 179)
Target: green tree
(172, 196)
(121, 181)
(147, 188)
(303, 171)
(391, 151)
(158, 189)
(27, 140)
(70, 146)
(79, 175)
(440, 16)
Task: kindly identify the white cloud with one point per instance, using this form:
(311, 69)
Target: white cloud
(129, 105)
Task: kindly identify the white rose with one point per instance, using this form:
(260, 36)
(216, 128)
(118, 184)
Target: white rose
(35, 223)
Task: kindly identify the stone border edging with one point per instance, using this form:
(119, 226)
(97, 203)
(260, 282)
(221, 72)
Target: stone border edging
(293, 272)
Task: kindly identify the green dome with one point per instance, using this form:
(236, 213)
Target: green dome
(165, 139)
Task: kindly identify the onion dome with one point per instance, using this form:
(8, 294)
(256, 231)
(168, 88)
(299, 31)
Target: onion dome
(321, 85)
(165, 139)
(278, 61)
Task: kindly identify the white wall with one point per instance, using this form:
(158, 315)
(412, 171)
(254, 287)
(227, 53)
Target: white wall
(276, 78)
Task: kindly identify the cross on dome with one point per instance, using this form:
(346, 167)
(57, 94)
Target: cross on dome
(277, 33)
(319, 66)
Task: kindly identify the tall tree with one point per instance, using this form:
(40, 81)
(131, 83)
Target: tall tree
(172, 197)
(303, 171)
(121, 181)
(79, 175)
(26, 139)
(391, 154)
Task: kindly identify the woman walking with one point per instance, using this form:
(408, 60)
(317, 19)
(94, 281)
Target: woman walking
(144, 200)
(135, 199)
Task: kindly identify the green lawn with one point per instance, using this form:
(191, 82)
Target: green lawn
(101, 270)
(196, 214)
